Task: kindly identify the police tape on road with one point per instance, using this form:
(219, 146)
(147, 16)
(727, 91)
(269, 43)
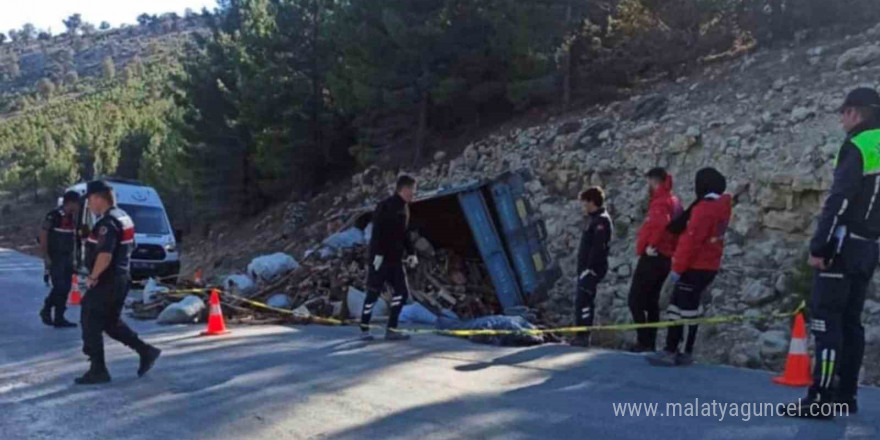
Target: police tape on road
(714, 320)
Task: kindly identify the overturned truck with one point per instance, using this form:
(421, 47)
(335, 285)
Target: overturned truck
(485, 247)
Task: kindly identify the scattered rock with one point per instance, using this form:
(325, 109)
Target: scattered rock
(801, 114)
(774, 345)
(745, 131)
(651, 108)
(782, 284)
(568, 128)
(858, 57)
(756, 293)
(591, 138)
(681, 144)
(439, 156)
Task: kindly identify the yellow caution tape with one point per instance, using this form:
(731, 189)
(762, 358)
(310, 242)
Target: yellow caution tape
(715, 320)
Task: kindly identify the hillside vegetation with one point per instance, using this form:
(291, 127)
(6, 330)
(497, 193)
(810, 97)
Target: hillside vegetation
(264, 100)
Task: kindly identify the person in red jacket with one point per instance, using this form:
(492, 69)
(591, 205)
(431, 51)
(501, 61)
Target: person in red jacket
(655, 246)
(695, 263)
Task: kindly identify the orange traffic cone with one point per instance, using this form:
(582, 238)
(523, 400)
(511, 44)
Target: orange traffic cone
(797, 366)
(216, 324)
(75, 296)
(197, 278)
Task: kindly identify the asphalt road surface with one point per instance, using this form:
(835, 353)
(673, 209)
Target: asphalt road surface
(276, 382)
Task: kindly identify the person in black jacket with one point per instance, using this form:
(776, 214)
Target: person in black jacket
(844, 252)
(108, 258)
(592, 259)
(57, 243)
(388, 246)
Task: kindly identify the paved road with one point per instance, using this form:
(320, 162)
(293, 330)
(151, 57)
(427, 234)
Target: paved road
(278, 382)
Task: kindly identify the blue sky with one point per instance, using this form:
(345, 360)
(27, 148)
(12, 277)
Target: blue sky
(49, 13)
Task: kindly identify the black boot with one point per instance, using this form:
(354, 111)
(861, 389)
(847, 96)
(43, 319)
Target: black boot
(852, 405)
(97, 374)
(63, 323)
(814, 406)
(148, 358)
(60, 322)
(46, 316)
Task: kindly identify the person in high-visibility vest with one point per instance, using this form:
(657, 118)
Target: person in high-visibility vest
(844, 251)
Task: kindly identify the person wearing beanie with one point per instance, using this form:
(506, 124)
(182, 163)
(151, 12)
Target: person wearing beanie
(695, 263)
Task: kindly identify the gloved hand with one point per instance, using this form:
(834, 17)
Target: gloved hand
(412, 261)
(668, 287)
(651, 251)
(377, 262)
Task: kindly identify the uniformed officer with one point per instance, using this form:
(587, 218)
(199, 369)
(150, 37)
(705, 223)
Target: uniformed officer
(388, 245)
(844, 251)
(57, 244)
(108, 254)
(592, 259)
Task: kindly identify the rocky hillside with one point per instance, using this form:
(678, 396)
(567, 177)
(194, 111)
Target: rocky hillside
(766, 120)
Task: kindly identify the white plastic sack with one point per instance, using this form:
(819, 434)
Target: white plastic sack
(355, 302)
(151, 289)
(184, 312)
(346, 239)
(240, 284)
(279, 301)
(268, 268)
(417, 313)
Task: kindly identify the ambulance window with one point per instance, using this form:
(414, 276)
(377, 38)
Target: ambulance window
(147, 219)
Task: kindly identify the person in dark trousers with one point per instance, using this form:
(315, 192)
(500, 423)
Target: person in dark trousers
(695, 263)
(388, 246)
(592, 262)
(57, 245)
(655, 246)
(108, 257)
(844, 252)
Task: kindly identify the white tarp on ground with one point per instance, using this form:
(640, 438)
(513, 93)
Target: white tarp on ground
(268, 268)
(355, 304)
(240, 284)
(186, 311)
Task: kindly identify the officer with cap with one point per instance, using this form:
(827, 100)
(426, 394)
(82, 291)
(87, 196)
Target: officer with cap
(57, 243)
(844, 251)
(108, 256)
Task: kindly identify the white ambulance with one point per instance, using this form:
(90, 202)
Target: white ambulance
(156, 252)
